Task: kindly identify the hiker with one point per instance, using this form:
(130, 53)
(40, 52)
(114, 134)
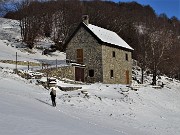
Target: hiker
(53, 97)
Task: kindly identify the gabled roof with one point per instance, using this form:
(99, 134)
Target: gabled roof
(108, 36)
(103, 36)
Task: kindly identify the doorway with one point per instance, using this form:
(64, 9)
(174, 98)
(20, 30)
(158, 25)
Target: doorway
(127, 76)
(79, 74)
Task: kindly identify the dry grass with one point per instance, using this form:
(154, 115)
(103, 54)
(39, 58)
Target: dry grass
(24, 63)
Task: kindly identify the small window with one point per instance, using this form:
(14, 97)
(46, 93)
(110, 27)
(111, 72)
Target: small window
(126, 56)
(112, 73)
(113, 54)
(91, 73)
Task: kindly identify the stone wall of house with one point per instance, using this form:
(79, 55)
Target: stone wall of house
(118, 64)
(92, 54)
(66, 72)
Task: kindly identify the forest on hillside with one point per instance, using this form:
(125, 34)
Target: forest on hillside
(155, 38)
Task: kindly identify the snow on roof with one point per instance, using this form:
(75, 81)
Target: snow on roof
(108, 36)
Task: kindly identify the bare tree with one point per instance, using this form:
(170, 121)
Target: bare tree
(30, 21)
(143, 53)
(161, 43)
(60, 29)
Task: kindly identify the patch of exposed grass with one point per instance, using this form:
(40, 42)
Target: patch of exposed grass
(29, 51)
(24, 63)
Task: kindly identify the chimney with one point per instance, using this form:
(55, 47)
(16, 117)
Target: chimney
(85, 19)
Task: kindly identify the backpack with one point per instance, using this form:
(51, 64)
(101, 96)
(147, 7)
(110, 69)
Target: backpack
(53, 93)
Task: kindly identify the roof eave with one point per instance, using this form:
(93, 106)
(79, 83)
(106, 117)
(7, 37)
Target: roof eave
(119, 47)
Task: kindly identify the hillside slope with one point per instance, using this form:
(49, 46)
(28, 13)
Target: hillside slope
(23, 112)
(107, 109)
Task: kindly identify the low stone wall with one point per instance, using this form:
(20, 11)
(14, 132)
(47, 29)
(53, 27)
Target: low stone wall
(66, 72)
(69, 88)
(62, 72)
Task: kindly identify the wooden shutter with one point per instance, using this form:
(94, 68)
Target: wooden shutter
(127, 77)
(80, 56)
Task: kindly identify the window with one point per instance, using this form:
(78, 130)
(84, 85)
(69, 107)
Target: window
(113, 54)
(91, 73)
(111, 73)
(126, 56)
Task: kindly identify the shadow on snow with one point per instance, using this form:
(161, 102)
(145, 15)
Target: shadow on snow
(43, 102)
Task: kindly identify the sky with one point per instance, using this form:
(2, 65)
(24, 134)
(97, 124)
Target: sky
(169, 7)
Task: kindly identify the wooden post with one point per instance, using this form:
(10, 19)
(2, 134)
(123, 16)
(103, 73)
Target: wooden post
(28, 65)
(56, 64)
(42, 64)
(47, 77)
(16, 62)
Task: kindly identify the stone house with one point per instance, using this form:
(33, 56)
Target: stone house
(99, 55)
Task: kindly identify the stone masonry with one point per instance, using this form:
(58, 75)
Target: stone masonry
(99, 58)
(92, 53)
(118, 64)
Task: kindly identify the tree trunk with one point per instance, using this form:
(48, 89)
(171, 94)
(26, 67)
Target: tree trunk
(154, 79)
(154, 76)
(142, 76)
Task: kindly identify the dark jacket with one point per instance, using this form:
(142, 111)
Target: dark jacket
(53, 93)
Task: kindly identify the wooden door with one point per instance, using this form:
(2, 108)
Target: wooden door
(79, 74)
(127, 76)
(80, 56)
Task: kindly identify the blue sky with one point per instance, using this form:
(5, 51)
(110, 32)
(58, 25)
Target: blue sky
(169, 7)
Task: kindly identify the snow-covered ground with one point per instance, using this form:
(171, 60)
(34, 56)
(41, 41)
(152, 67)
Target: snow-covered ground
(25, 108)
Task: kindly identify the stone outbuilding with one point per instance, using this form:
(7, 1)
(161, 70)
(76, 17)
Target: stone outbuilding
(99, 55)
